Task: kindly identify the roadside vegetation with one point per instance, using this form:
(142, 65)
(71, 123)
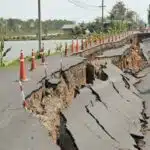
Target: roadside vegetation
(120, 19)
(58, 50)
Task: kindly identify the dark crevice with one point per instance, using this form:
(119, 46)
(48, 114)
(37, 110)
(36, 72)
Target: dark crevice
(76, 91)
(90, 75)
(118, 91)
(49, 84)
(115, 88)
(101, 126)
(65, 140)
(139, 140)
(92, 104)
(101, 75)
(143, 111)
(127, 85)
(137, 95)
(98, 98)
(129, 71)
(127, 78)
(144, 122)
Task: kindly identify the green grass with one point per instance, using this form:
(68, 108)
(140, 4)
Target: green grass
(16, 62)
(12, 63)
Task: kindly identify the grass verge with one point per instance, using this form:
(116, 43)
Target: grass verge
(16, 62)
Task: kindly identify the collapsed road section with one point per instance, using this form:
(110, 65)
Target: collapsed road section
(83, 110)
(106, 114)
(89, 104)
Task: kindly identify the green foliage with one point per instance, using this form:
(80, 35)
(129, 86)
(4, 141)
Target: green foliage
(59, 47)
(120, 19)
(2, 52)
(20, 27)
(119, 11)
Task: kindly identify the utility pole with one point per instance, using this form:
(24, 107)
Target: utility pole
(6, 28)
(102, 6)
(102, 14)
(149, 16)
(39, 24)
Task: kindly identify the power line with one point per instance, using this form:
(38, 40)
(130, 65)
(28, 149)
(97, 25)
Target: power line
(83, 4)
(76, 4)
(88, 5)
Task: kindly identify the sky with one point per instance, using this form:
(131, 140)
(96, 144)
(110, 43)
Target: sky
(63, 9)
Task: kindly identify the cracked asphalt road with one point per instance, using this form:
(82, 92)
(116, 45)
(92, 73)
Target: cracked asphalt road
(19, 130)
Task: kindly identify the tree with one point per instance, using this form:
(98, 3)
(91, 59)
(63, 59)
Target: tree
(77, 31)
(130, 15)
(45, 29)
(119, 10)
(30, 26)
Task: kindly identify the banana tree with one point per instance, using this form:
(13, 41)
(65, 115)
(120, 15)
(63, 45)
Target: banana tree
(2, 52)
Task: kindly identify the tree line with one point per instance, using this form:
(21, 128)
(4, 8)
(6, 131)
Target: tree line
(119, 18)
(18, 26)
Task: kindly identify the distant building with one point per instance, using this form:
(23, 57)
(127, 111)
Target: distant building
(68, 28)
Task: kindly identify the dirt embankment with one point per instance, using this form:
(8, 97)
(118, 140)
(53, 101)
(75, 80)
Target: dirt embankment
(134, 60)
(54, 96)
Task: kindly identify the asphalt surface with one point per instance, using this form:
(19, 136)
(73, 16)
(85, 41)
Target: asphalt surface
(144, 89)
(115, 52)
(19, 130)
(109, 120)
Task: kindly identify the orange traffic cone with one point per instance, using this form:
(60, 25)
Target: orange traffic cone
(66, 49)
(23, 76)
(25, 104)
(77, 46)
(82, 44)
(72, 47)
(33, 63)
